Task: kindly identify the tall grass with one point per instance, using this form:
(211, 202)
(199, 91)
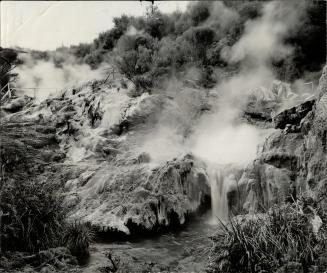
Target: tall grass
(282, 240)
(34, 216)
(34, 220)
(77, 238)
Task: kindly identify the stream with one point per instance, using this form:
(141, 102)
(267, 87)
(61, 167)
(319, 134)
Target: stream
(184, 250)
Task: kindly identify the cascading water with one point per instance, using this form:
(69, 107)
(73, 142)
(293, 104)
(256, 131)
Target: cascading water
(222, 178)
(218, 194)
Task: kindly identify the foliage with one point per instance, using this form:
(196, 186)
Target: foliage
(107, 40)
(309, 55)
(282, 240)
(94, 59)
(206, 77)
(14, 154)
(34, 215)
(8, 60)
(158, 44)
(77, 238)
(126, 62)
(199, 12)
(81, 50)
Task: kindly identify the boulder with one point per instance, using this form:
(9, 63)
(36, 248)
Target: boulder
(293, 115)
(15, 105)
(135, 198)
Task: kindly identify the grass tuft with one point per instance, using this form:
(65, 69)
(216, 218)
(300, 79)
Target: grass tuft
(282, 240)
(77, 238)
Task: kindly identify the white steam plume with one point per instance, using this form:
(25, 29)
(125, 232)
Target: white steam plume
(220, 137)
(263, 37)
(49, 79)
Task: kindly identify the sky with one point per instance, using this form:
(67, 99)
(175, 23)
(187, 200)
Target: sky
(46, 25)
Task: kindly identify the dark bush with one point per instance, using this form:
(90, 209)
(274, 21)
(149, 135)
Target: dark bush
(206, 77)
(81, 50)
(8, 60)
(77, 238)
(34, 216)
(126, 63)
(155, 26)
(94, 59)
(143, 83)
(281, 240)
(199, 12)
(171, 43)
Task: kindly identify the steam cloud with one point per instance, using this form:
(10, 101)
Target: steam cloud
(220, 137)
(263, 38)
(48, 78)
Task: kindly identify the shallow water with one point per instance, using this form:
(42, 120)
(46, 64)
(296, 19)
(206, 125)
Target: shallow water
(184, 250)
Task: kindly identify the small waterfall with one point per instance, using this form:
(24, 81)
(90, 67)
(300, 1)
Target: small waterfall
(222, 178)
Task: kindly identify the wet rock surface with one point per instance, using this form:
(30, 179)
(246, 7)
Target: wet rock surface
(92, 134)
(151, 197)
(291, 161)
(294, 115)
(271, 107)
(87, 140)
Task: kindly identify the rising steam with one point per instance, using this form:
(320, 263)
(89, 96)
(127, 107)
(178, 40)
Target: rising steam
(47, 78)
(263, 38)
(220, 137)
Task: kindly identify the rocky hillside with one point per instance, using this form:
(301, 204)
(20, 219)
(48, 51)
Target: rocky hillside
(293, 159)
(87, 140)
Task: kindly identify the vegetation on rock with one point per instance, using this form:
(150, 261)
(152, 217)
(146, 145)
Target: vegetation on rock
(34, 216)
(289, 238)
(96, 123)
(151, 48)
(8, 60)
(77, 238)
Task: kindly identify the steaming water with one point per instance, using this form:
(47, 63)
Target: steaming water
(222, 178)
(218, 195)
(185, 250)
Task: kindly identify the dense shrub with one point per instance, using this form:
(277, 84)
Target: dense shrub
(40, 55)
(158, 44)
(8, 59)
(206, 77)
(199, 12)
(34, 216)
(94, 59)
(14, 154)
(81, 50)
(77, 238)
(283, 239)
(202, 38)
(126, 63)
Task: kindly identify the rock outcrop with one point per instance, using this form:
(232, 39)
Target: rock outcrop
(292, 160)
(133, 198)
(88, 140)
(267, 104)
(294, 115)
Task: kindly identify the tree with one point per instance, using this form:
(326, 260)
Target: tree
(200, 12)
(8, 61)
(81, 50)
(94, 58)
(201, 38)
(126, 63)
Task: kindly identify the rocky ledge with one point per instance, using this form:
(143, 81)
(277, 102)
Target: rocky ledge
(87, 139)
(293, 159)
(135, 198)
